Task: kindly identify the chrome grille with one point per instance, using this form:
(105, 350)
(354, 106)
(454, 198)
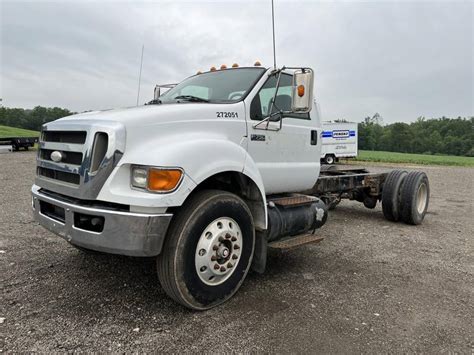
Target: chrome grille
(59, 175)
(74, 158)
(85, 152)
(78, 137)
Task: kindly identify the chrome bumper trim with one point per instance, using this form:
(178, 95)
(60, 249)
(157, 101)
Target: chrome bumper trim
(126, 233)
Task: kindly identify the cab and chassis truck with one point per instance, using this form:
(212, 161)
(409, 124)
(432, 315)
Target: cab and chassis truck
(206, 178)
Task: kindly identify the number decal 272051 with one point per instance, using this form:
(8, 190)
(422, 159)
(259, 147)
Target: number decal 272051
(227, 115)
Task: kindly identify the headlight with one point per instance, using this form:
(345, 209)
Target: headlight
(139, 177)
(156, 179)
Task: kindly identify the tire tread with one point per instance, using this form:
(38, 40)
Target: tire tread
(165, 261)
(392, 185)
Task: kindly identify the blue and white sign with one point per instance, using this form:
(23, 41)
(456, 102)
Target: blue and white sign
(339, 134)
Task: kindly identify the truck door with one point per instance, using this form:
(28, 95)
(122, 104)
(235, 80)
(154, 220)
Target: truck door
(288, 159)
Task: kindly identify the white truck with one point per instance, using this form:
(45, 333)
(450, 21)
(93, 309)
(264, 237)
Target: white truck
(206, 177)
(339, 140)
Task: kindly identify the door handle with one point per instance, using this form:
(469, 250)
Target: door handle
(314, 137)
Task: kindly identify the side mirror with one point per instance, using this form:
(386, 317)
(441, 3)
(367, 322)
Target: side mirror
(157, 92)
(302, 93)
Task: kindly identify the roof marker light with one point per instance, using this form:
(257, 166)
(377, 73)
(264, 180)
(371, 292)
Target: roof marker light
(257, 64)
(223, 66)
(235, 65)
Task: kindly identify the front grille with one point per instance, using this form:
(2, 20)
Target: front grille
(64, 176)
(71, 146)
(76, 137)
(74, 158)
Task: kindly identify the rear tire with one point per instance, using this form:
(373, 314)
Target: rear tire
(329, 159)
(414, 198)
(391, 194)
(202, 264)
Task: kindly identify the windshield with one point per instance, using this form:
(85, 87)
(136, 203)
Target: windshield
(222, 86)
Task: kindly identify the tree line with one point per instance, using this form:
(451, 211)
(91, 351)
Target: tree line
(31, 119)
(444, 136)
(450, 136)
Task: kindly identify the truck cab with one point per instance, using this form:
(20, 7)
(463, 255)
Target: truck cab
(203, 177)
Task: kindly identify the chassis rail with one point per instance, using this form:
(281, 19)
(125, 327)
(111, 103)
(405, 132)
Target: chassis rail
(335, 183)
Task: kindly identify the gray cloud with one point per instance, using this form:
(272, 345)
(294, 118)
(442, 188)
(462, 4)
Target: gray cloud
(402, 59)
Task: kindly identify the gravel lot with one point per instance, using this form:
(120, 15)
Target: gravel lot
(370, 286)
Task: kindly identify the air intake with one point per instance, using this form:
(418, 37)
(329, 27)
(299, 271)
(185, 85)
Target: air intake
(99, 149)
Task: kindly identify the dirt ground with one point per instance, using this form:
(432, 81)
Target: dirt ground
(371, 286)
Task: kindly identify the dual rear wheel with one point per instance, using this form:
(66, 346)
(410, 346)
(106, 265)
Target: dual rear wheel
(405, 196)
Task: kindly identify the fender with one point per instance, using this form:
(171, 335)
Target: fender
(216, 155)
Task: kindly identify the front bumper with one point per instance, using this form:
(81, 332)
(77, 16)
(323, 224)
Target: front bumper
(126, 233)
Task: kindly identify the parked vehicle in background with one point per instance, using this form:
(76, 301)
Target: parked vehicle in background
(339, 140)
(19, 142)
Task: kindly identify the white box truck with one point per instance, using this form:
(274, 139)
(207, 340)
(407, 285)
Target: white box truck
(339, 140)
(205, 178)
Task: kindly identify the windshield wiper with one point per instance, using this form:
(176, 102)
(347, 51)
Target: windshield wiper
(154, 102)
(191, 98)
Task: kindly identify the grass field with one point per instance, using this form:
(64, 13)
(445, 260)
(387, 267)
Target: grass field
(6, 131)
(392, 157)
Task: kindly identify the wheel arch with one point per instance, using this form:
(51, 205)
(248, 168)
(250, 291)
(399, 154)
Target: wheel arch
(243, 186)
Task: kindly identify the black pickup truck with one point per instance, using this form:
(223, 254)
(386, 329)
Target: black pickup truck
(19, 142)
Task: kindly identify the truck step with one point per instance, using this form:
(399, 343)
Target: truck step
(293, 200)
(294, 242)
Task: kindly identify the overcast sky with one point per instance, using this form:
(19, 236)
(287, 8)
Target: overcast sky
(403, 59)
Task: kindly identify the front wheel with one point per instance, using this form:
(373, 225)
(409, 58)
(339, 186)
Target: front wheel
(208, 250)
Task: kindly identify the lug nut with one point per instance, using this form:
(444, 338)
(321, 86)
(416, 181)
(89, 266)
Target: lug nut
(227, 236)
(213, 258)
(234, 239)
(236, 247)
(221, 239)
(215, 247)
(234, 256)
(216, 267)
(223, 268)
(229, 265)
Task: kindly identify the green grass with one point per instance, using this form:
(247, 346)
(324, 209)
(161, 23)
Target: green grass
(6, 131)
(423, 159)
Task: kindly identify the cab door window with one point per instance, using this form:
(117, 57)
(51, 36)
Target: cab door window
(262, 102)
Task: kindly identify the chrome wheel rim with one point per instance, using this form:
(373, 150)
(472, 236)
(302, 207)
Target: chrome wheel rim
(218, 251)
(421, 197)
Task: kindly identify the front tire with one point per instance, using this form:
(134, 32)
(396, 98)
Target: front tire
(208, 250)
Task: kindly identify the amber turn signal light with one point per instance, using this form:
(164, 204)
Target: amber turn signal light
(300, 90)
(163, 180)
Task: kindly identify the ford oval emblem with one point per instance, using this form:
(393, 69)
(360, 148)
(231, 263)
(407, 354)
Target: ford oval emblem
(56, 156)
